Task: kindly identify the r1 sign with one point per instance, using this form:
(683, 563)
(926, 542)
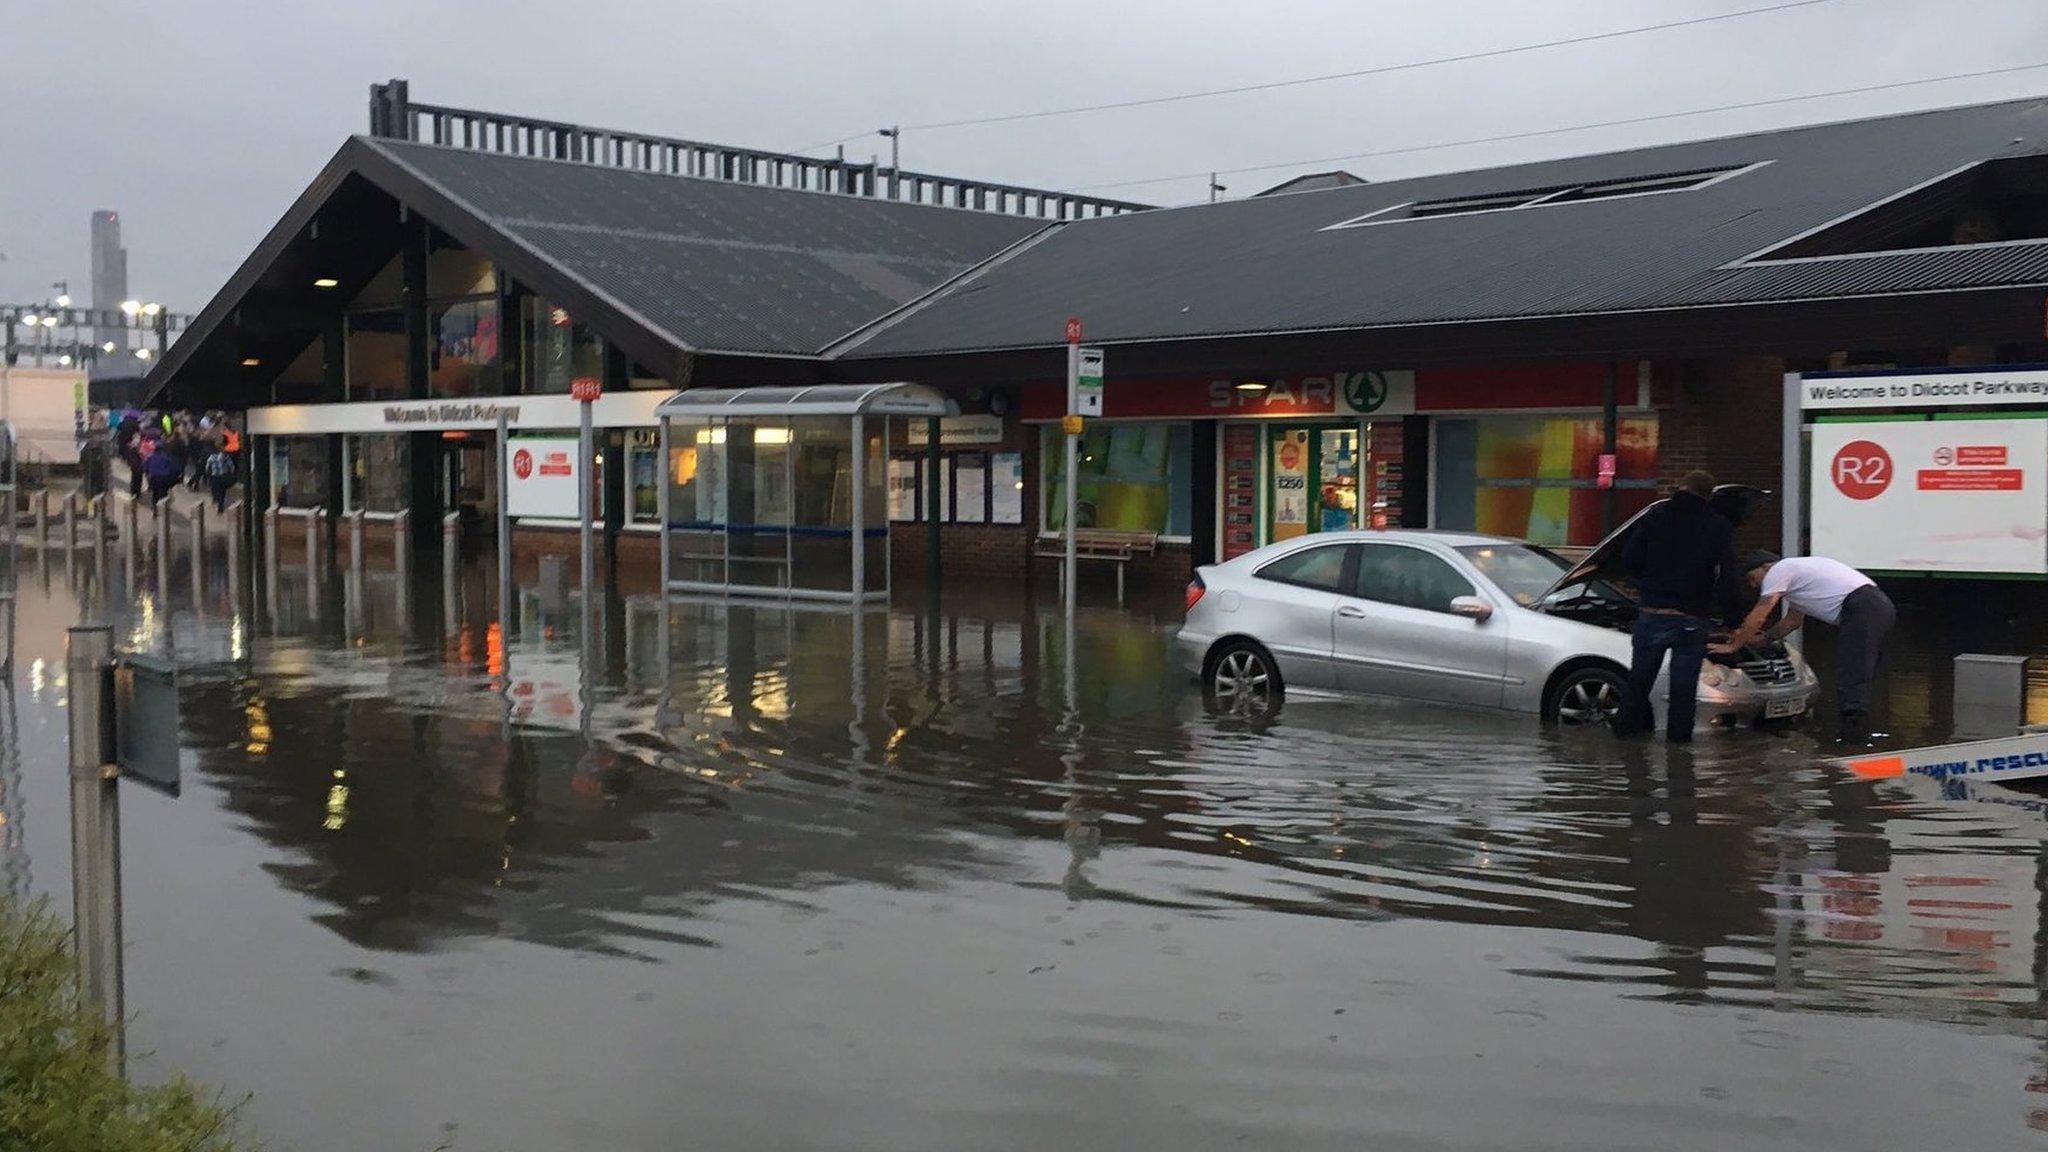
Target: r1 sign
(585, 389)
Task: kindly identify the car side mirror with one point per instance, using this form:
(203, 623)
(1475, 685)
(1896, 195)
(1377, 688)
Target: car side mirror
(1472, 607)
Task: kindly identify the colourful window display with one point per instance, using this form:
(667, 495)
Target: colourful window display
(1134, 478)
(1535, 477)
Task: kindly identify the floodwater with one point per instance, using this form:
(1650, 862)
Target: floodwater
(804, 879)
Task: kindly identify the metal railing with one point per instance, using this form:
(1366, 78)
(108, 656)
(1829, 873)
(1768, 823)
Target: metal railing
(394, 116)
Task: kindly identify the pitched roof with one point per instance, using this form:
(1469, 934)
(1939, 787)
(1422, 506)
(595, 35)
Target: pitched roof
(1283, 263)
(720, 266)
(666, 265)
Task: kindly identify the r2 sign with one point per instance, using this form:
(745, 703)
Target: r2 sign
(1862, 470)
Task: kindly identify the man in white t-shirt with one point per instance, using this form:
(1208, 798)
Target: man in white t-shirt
(1833, 593)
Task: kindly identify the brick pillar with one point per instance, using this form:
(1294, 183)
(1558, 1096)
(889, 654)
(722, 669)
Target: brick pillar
(1724, 418)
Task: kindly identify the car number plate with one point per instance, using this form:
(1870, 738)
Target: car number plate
(1779, 709)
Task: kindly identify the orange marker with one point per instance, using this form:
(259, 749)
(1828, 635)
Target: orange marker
(1878, 768)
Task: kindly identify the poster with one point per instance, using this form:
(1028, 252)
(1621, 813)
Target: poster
(1932, 495)
(542, 483)
(903, 488)
(970, 488)
(1290, 484)
(1240, 490)
(1006, 488)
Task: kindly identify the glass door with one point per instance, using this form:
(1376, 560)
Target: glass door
(1313, 480)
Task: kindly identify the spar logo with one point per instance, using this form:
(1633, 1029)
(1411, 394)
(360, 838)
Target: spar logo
(522, 464)
(1365, 391)
(1861, 470)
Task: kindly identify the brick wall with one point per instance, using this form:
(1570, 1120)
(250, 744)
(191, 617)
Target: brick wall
(1724, 416)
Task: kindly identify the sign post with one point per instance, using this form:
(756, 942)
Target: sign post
(1071, 427)
(586, 390)
(504, 518)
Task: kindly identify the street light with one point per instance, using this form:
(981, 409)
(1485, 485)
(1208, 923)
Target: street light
(131, 307)
(63, 300)
(142, 353)
(151, 309)
(49, 321)
(107, 347)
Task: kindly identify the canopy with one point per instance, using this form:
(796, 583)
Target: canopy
(901, 398)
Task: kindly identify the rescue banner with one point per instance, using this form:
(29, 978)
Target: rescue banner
(1986, 761)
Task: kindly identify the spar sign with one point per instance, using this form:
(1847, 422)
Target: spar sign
(1933, 495)
(542, 483)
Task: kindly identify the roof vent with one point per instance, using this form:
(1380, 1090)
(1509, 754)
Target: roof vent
(1509, 201)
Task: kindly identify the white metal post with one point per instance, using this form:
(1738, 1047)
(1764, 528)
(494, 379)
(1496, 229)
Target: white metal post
(661, 498)
(504, 517)
(1073, 462)
(586, 471)
(860, 515)
(1792, 514)
(96, 830)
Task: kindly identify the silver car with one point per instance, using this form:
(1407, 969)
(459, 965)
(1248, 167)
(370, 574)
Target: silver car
(1449, 618)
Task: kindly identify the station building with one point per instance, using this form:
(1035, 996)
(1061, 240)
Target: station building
(1450, 351)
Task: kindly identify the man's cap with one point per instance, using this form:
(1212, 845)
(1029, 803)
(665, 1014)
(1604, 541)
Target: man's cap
(1751, 561)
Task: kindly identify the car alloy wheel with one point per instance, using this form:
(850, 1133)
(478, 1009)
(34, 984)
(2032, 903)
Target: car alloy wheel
(1589, 698)
(1243, 682)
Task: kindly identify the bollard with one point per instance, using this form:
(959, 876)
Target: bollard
(355, 540)
(312, 541)
(163, 528)
(42, 518)
(401, 543)
(70, 524)
(96, 830)
(451, 562)
(198, 534)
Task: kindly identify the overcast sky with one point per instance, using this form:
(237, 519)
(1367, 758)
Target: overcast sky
(199, 121)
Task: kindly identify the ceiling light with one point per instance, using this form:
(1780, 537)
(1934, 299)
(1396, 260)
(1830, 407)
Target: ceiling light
(250, 362)
(327, 282)
(1252, 386)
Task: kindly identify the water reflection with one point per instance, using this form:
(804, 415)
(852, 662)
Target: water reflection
(1007, 860)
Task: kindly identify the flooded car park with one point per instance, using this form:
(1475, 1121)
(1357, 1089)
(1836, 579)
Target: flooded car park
(744, 876)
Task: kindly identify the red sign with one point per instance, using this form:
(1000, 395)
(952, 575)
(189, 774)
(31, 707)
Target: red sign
(522, 464)
(1862, 470)
(1970, 479)
(1981, 455)
(1605, 469)
(1074, 330)
(556, 464)
(585, 389)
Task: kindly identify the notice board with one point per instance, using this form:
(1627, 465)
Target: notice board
(1967, 496)
(542, 480)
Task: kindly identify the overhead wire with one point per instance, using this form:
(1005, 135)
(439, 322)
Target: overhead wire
(1378, 70)
(1535, 133)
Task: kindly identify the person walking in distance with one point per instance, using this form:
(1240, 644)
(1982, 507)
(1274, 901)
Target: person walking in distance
(1682, 554)
(1833, 593)
(220, 476)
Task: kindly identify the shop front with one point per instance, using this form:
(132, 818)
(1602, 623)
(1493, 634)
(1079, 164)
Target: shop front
(1514, 451)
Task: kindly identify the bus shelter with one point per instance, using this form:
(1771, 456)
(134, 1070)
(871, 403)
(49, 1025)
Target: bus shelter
(781, 491)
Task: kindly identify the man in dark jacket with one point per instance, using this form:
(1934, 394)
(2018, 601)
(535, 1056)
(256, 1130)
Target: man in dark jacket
(1682, 554)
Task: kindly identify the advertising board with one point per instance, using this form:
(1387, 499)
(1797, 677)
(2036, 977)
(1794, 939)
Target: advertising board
(1932, 495)
(541, 480)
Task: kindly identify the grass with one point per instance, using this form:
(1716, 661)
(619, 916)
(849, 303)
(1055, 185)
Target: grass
(58, 1092)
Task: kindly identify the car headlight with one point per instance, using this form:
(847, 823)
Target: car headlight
(1712, 675)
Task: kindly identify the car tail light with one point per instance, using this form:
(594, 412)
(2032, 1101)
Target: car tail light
(1195, 590)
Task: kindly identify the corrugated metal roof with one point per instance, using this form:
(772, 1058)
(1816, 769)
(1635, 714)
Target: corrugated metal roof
(719, 266)
(1275, 264)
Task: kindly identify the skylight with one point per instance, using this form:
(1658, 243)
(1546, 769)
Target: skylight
(1511, 201)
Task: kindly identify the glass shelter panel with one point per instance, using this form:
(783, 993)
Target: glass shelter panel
(758, 503)
(875, 506)
(821, 529)
(697, 479)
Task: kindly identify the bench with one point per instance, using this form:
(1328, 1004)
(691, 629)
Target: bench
(1118, 548)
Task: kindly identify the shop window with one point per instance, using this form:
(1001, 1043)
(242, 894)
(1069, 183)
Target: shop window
(464, 354)
(643, 476)
(298, 472)
(380, 473)
(376, 355)
(458, 272)
(1134, 477)
(1408, 578)
(1319, 568)
(558, 349)
(1534, 477)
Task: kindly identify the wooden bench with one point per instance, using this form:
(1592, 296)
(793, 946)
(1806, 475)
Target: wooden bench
(1118, 548)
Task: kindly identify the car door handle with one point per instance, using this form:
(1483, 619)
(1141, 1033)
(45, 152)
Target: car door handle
(1351, 611)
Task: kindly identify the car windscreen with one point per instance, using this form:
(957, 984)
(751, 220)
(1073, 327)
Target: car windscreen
(1523, 571)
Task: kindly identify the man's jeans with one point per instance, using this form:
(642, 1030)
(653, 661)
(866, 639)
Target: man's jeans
(1685, 638)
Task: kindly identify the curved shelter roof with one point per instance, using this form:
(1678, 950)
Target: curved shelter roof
(895, 399)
